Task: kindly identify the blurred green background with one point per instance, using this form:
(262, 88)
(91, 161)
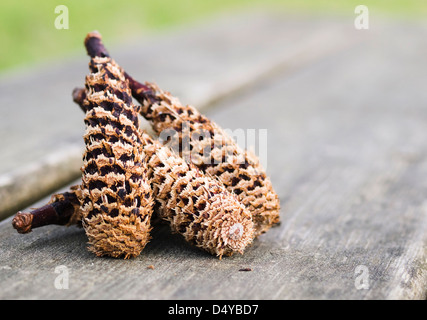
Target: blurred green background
(28, 35)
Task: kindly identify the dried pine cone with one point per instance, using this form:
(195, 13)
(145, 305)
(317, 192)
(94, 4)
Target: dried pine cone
(238, 170)
(197, 206)
(116, 200)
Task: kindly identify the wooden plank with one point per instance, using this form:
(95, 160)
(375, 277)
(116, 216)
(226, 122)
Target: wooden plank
(347, 155)
(201, 64)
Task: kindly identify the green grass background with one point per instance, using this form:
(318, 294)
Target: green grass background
(28, 35)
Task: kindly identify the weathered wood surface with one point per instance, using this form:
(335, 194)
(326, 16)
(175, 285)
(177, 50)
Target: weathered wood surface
(347, 155)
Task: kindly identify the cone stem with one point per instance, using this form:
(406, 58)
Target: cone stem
(94, 45)
(53, 213)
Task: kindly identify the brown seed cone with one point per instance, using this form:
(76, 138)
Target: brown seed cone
(116, 200)
(199, 207)
(239, 170)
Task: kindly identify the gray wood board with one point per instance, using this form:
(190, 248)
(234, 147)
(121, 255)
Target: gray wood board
(42, 128)
(347, 155)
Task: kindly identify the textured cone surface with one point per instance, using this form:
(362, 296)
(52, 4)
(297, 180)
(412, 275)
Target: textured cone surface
(199, 207)
(213, 151)
(116, 197)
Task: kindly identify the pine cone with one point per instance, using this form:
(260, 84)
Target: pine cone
(239, 170)
(116, 200)
(197, 206)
